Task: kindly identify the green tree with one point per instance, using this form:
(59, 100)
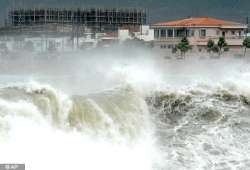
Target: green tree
(210, 45)
(246, 44)
(184, 46)
(222, 44)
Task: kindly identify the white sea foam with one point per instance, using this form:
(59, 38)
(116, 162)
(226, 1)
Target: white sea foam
(113, 127)
(30, 135)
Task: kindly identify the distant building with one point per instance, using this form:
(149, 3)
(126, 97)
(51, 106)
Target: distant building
(73, 20)
(144, 33)
(198, 31)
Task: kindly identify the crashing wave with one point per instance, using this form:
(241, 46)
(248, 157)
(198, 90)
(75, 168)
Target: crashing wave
(193, 123)
(117, 112)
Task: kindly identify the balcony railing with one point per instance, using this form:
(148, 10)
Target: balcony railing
(202, 38)
(217, 37)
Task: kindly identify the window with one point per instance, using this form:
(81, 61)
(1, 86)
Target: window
(163, 46)
(233, 32)
(156, 33)
(163, 33)
(58, 44)
(217, 32)
(170, 46)
(190, 33)
(181, 33)
(170, 33)
(202, 33)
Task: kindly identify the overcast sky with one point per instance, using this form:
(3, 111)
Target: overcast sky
(159, 10)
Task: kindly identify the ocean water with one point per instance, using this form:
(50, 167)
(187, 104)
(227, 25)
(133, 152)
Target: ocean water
(125, 112)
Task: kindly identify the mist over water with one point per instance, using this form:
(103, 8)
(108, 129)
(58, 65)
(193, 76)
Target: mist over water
(124, 109)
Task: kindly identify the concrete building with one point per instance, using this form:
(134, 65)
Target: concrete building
(69, 28)
(96, 19)
(124, 34)
(145, 33)
(198, 31)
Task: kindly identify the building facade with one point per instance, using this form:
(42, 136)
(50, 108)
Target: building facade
(198, 31)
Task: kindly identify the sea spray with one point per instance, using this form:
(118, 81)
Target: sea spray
(46, 129)
(126, 112)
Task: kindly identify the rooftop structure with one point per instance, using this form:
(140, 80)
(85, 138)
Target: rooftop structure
(201, 22)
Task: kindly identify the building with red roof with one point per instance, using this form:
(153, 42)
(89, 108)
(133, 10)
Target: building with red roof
(198, 30)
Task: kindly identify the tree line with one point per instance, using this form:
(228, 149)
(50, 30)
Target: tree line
(221, 46)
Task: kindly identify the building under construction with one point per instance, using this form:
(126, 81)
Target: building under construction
(74, 20)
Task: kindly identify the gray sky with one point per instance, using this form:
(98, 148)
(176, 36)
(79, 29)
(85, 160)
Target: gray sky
(159, 10)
